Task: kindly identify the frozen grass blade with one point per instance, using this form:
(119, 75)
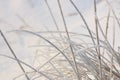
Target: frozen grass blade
(97, 37)
(113, 11)
(107, 24)
(112, 63)
(27, 66)
(13, 53)
(83, 20)
(48, 42)
(53, 18)
(68, 36)
(49, 60)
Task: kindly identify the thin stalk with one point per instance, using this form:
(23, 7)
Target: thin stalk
(53, 17)
(108, 44)
(83, 20)
(38, 35)
(49, 60)
(60, 73)
(107, 24)
(116, 18)
(113, 48)
(55, 23)
(65, 25)
(113, 12)
(97, 37)
(13, 53)
(27, 66)
(106, 33)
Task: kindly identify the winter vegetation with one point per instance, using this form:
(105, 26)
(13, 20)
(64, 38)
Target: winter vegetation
(60, 40)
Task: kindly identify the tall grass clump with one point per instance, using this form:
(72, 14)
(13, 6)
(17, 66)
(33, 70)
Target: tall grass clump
(75, 56)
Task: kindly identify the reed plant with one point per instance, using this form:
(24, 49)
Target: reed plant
(68, 56)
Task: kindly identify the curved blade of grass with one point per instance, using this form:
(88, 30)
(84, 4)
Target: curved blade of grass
(38, 35)
(68, 36)
(83, 20)
(53, 18)
(13, 53)
(27, 66)
(97, 38)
